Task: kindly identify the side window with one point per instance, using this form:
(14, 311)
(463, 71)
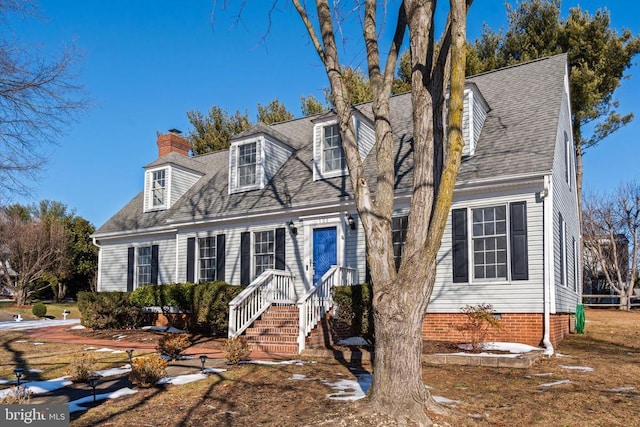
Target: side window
(144, 265)
(563, 250)
(490, 243)
(399, 236)
(207, 259)
(158, 188)
(247, 162)
(567, 159)
(263, 251)
(332, 154)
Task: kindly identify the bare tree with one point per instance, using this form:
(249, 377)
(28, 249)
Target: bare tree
(39, 97)
(401, 297)
(34, 249)
(611, 224)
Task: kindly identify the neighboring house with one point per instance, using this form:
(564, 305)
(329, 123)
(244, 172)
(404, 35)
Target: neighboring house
(7, 291)
(615, 254)
(275, 211)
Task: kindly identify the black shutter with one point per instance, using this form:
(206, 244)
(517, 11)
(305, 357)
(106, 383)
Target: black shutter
(191, 259)
(131, 261)
(459, 245)
(245, 258)
(220, 257)
(519, 247)
(154, 264)
(280, 249)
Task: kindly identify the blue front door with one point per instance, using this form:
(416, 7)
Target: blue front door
(324, 251)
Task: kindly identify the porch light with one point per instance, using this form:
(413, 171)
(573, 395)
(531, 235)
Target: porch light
(292, 227)
(203, 359)
(351, 221)
(19, 373)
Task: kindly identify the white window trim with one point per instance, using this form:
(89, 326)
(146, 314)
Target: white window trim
(136, 276)
(149, 189)
(567, 159)
(253, 250)
(332, 172)
(470, 257)
(197, 275)
(235, 187)
(563, 253)
(319, 172)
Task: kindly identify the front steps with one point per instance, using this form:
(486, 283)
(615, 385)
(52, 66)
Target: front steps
(276, 331)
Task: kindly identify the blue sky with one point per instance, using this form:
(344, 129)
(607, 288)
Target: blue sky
(147, 62)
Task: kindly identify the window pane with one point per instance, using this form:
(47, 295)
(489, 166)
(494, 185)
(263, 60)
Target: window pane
(332, 149)
(207, 260)
(247, 164)
(264, 256)
(144, 265)
(158, 185)
(490, 242)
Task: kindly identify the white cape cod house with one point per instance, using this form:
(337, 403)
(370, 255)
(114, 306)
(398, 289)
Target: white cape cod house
(275, 211)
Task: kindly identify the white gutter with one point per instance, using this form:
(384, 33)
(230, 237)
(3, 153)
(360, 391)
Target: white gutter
(95, 242)
(549, 259)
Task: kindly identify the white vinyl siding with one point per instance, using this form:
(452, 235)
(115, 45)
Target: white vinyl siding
(474, 113)
(567, 286)
(181, 181)
(113, 254)
(274, 157)
(515, 296)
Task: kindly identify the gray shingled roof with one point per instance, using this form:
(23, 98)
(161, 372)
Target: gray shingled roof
(518, 137)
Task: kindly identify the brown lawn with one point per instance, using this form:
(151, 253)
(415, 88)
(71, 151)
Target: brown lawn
(253, 395)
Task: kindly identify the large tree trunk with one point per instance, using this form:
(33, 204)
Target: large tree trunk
(20, 295)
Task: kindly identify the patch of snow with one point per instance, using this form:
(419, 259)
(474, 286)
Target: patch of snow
(353, 341)
(77, 327)
(621, 389)
(351, 389)
(4, 381)
(119, 337)
(545, 374)
(300, 377)
(88, 348)
(74, 406)
(165, 357)
(104, 350)
(271, 362)
(213, 371)
(114, 371)
(511, 347)
(35, 324)
(171, 330)
(40, 387)
(182, 379)
(21, 341)
(38, 343)
(555, 383)
(445, 401)
(35, 371)
(186, 357)
(500, 355)
(577, 368)
(562, 355)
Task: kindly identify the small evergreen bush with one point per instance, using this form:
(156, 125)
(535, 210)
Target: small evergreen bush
(353, 309)
(39, 309)
(109, 310)
(173, 345)
(147, 370)
(235, 349)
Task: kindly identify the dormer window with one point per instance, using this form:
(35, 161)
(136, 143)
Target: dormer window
(332, 154)
(247, 162)
(158, 188)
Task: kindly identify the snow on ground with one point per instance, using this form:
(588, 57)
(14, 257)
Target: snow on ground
(621, 389)
(350, 389)
(555, 383)
(213, 371)
(74, 405)
(182, 379)
(511, 347)
(354, 341)
(77, 327)
(544, 374)
(445, 401)
(577, 368)
(500, 355)
(38, 343)
(40, 387)
(114, 371)
(35, 324)
(105, 350)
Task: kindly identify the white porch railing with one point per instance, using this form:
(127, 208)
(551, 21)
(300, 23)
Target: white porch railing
(315, 303)
(271, 287)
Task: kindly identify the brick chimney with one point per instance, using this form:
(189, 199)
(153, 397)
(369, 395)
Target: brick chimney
(173, 142)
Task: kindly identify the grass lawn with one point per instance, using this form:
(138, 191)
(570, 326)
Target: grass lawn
(596, 377)
(54, 310)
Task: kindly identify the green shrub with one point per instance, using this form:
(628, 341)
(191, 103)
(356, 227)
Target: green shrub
(206, 303)
(147, 370)
(173, 345)
(235, 349)
(353, 308)
(109, 310)
(39, 309)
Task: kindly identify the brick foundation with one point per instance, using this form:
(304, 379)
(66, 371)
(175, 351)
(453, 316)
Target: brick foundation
(526, 328)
